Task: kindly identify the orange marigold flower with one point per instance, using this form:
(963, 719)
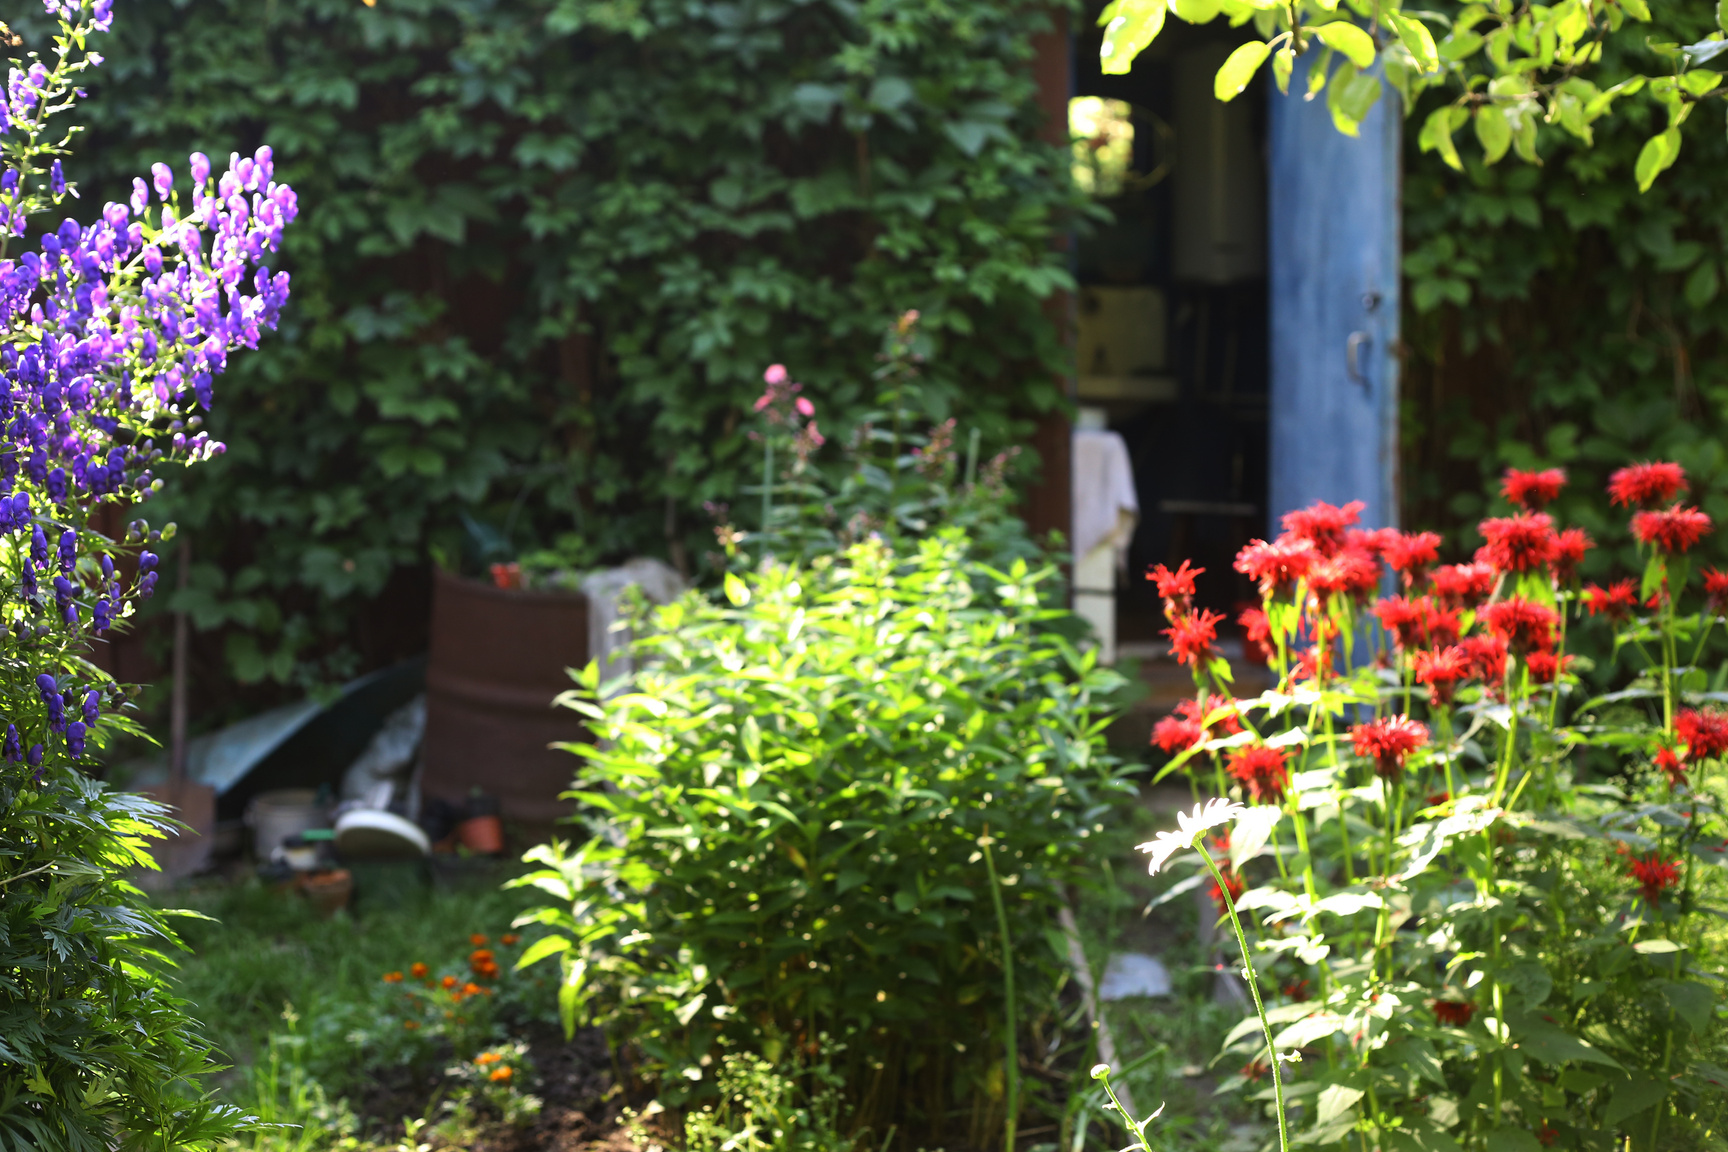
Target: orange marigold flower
(449, 982)
(488, 1058)
(501, 1074)
(392, 977)
(508, 938)
(1388, 742)
(411, 1025)
(1705, 733)
(480, 956)
(472, 989)
(1654, 875)
(418, 970)
(1262, 771)
(1646, 484)
(477, 939)
(1533, 490)
(1671, 530)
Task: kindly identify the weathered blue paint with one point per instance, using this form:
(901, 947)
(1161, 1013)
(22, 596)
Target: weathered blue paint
(1334, 239)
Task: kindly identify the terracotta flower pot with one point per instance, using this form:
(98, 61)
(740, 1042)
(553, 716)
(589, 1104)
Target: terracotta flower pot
(498, 659)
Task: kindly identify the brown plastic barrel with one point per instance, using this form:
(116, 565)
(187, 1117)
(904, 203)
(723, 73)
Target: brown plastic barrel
(498, 659)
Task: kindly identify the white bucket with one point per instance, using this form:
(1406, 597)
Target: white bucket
(275, 816)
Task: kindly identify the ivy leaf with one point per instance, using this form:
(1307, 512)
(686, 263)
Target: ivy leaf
(1658, 154)
(1129, 26)
(1352, 41)
(1239, 69)
(1494, 131)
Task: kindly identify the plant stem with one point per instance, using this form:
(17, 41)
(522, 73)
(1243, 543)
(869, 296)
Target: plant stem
(1013, 1070)
(1254, 990)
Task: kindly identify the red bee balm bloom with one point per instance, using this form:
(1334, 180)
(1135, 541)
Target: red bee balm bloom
(1352, 571)
(1533, 490)
(1256, 635)
(1388, 742)
(1672, 530)
(1411, 553)
(1487, 657)
(1323, 524)
(1463, 585)
(1615, 601)
(1186, 727)
(1519, 543)
(1441, 671)
(1191, 635)
(1546, 667)
(1715, 590)
(1646, 485)
(1418, 623)
(1278, 565)
(1653, 874)
(1705, 733)
(1177, 588)
(1569, 549)
(1262, 772)
(1456, 1013)
(1671, 767)
(1525, 625)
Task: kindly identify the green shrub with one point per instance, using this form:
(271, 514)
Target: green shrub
(790, 807)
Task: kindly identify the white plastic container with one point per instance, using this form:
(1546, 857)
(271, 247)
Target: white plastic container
(275, 816)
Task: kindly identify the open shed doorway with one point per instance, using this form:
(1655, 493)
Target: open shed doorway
(1172, 340)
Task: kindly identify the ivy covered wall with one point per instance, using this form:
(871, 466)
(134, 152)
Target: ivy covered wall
(547, 249)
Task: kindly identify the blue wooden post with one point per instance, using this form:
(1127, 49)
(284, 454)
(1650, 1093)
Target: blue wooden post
(1334, 240)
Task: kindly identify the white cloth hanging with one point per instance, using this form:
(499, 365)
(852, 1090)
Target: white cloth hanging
(1106, 508)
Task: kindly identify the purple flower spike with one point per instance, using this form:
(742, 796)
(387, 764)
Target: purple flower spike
(162, 178)
(56, 711)
(200, 170)
(75, 739)
(147, 561)
(147, 585)
(92, 705)
(68, 550)
(56, 179)
(33, 758)
(46, 685)
(140, 198)
(14, 747)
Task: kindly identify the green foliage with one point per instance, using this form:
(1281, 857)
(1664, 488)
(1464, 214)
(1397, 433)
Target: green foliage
(547, 248)
(94, 1048)
(760, 1110)
(789, 804)
(1555, 316)
(1505, 69)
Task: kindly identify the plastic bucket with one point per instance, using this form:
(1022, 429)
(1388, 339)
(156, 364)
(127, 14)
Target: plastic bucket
(275, 816)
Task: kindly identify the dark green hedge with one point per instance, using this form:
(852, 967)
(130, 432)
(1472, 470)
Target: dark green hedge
(547, 248)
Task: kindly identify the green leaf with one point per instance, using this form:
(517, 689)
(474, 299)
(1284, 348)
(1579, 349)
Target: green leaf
(1196, 11)
(1494, 131)
(1129, 27)
(542, 948)
(1692, 1002)
(1552, 1044)
(1505, 1139)
(1637, 9)
(1415, 37)
(1657, 155)
(1334, 1101)
(1239, 69)
(1722, 15)
(1352, 41)
(1703, 284)
(1655, 947)
(1283, 65)
(1632, 1097)
(736, 590)
(1436, 136)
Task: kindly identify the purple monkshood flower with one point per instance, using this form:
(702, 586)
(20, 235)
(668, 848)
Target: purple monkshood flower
(68, 550)
(38, 547)
(56, 711)
(92, 705)
(46, 685)
(200, 164)
(14, 747)
(75, 739)
(147, 585)
(102, 616)
(63, 591)
(147, 561)
(162, 179)
(34, 758)
(56, 178)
